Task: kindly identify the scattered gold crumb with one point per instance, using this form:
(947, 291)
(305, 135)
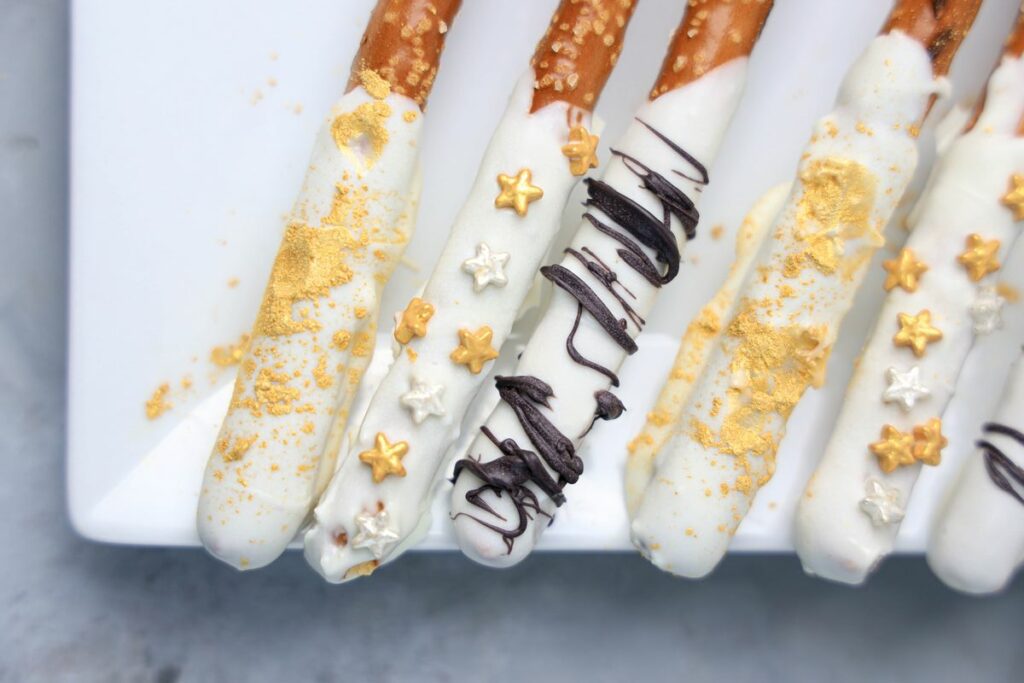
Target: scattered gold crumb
(375, 85)
(341, 339)
(362, 569)
(229, 354)
(233, 282)
(410, 116)
(272, 82)
(157, 404)
(717, 231)
(232, 452)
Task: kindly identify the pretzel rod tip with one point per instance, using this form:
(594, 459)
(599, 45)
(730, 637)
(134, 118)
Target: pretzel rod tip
(402, 44)
(711, 33)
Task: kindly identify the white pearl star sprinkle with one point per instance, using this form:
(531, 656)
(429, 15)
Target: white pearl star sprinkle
(986, 311)
(375, 532)
(881, 504)
(905, 388)
(487, 267)
(423, 400)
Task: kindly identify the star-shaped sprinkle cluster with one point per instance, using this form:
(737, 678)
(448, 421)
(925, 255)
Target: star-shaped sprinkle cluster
(517, 192)
(980, 257)
(374, 532)
(923, 444)
(916, 332)
(929, 442)
(423, 400)
(881, 503)
(385, 458)
(1014, 197)
(413, 320)
(894, 449)
(474, 349)
(986, 311)
(487, 267)
(581, 150)
(905, 388)
(903, 271)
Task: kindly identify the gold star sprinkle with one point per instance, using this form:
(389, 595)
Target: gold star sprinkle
(929, 442)
(904, 271)
(916, 332)
(979, 259)
(581, 150)
(894, 449)
(474, 349)
(517, 192)
(1014, 198)
(414, 320)
(385, 458)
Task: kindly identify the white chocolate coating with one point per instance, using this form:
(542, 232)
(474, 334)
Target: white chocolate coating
(521, 141)
(834, 537)
(355, 214)
(695, 118)
(696, 345)
(977, 541)
(707, 476)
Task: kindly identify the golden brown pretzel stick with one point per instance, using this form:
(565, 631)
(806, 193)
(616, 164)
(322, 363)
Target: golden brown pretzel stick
(403, 42)
(940, 25)
(711, 33)
(576, 55)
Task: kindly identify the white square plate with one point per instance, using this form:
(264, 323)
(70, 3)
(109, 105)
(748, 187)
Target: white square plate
(191, 125)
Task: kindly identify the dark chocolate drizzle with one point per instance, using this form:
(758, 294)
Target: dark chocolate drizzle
(633, 227)
(609, 407)
(1001, 470)
(578, 358)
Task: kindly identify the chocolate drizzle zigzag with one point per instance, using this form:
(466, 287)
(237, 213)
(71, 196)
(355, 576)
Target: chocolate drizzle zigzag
(633, 227)
(1001, 470)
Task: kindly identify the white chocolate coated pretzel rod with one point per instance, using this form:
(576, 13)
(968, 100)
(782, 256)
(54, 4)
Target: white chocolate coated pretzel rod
(314, 334)
(639, 217)
(696, 346)
(977, 542)
(855, 168)
(942, 294)
(378, 501)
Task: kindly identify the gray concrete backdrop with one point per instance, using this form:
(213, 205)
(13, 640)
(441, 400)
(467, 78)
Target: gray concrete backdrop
(74, 611)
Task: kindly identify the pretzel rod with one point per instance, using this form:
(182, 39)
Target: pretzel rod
(628, 246)
(402, 44)
(378, 501)
(853, 172)
(314, 333)
(695, 347)
(942, 294)
(977, 541)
